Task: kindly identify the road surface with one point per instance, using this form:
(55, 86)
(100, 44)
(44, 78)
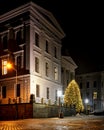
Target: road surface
(89, 122)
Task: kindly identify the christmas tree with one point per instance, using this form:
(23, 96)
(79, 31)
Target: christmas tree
(72, 96)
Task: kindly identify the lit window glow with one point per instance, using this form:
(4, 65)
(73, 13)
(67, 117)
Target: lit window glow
(4, 67)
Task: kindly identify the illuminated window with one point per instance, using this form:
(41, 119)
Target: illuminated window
(4, 92)
(94, 95)
(47, 93)
(37, 90)
(37, 39)
(36, 65)
(56, 73)
(4, 67)
(47, 69)
(5, 41)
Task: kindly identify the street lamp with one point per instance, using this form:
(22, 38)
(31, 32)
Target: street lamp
(10, 66)
(86, 103)
(59, 93)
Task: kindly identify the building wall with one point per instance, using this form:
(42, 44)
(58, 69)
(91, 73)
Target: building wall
(67, 71)
(21, 25)
(91, 87)
(27, 77)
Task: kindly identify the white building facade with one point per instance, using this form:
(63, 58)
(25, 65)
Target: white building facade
(30, 38)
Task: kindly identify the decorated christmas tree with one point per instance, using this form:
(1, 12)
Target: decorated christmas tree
(72, 96)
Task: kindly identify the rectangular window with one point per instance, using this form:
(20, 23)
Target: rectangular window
(36, 65)
(4, 92)
(4, 67)
(94, 95)
(18, 62)
(37, 90)
(55, 52)
(47, 69)
(37, 39)
(18, 90)
(56, 95)
(19, 37)
(56, 73)
(46, 49)
(47, 93)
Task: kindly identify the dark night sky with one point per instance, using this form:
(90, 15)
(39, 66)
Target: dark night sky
(83, 25)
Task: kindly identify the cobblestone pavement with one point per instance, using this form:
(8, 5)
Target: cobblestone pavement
(66, 123)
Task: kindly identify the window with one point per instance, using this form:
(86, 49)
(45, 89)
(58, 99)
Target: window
(11, 33)
(19, 37)
(56, 73)
(47, 93)
(4, 92)
(67, 77)
(37, 90)
(36, 65)
(56, 95)
(37, 39)
(94, 95)
(18, 62)
(55, 52)
(4, 67)
(47, 69)
(5, 42)
(18, 90)
(46, 49)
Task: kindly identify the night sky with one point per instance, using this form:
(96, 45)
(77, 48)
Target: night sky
(83, 24)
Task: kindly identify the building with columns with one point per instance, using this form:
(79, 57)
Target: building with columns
(67, 71)
(30, 39)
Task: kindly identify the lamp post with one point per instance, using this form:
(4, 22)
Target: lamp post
(86, 103)
(59, 93)
(9, 66)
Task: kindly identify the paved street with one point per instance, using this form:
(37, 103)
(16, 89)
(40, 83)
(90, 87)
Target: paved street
(67, 123)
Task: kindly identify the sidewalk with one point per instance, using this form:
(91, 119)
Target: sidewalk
(67, 123)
